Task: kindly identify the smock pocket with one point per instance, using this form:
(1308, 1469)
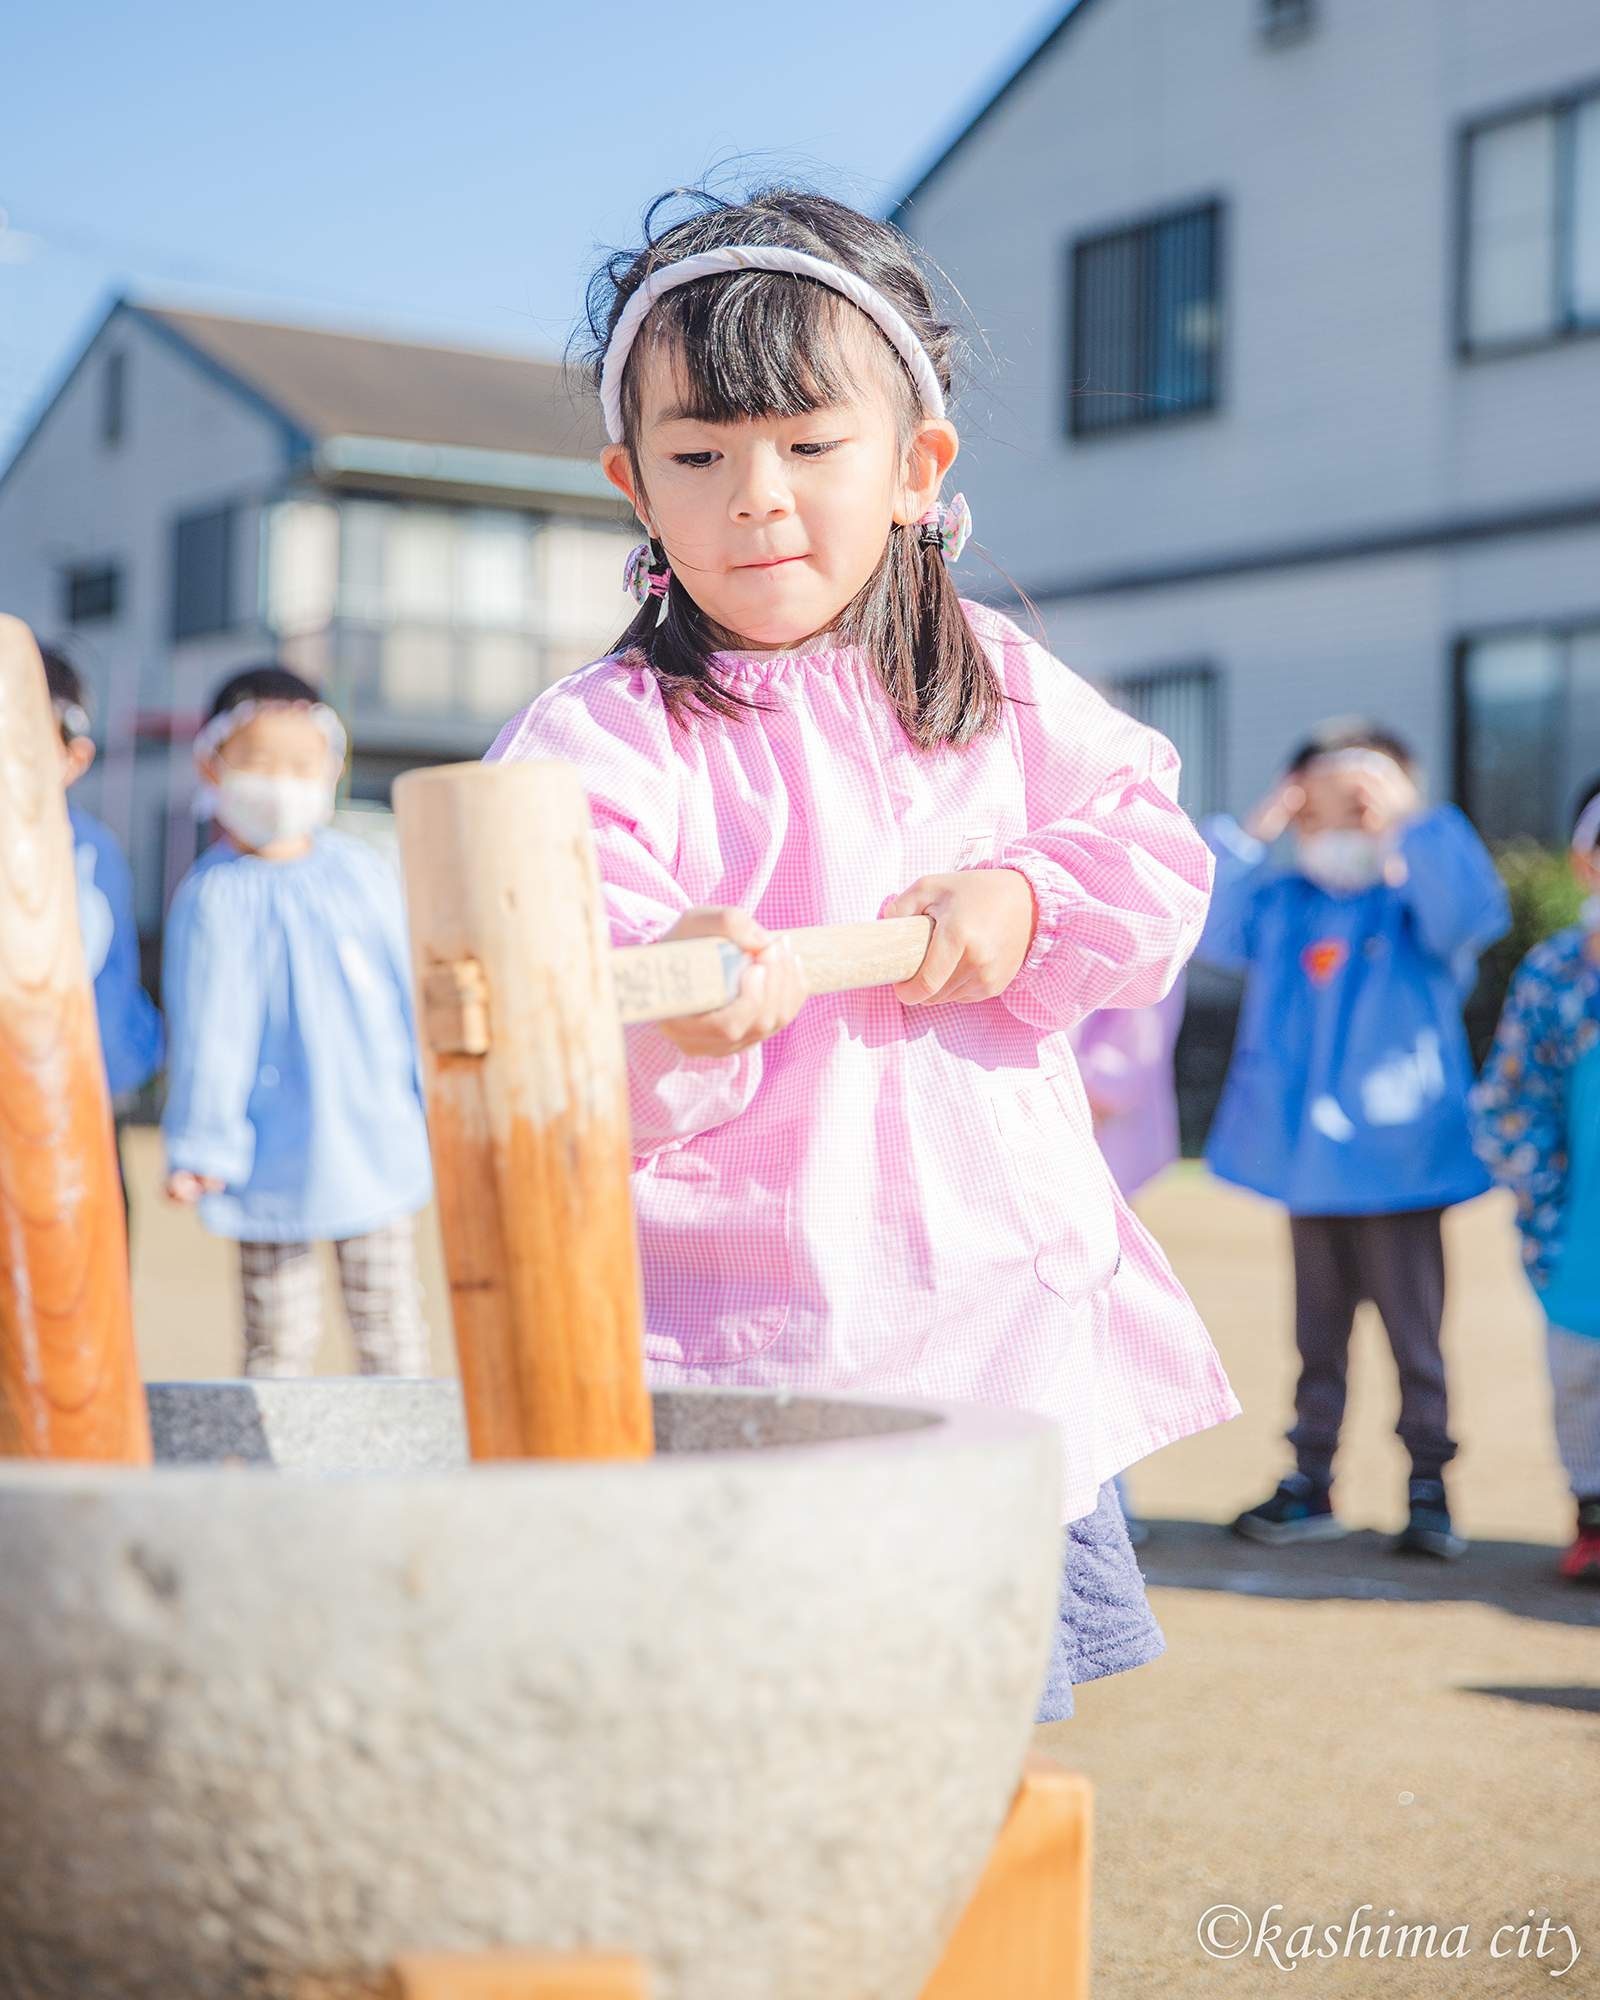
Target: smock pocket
(715, 1241)
(1060, 1185)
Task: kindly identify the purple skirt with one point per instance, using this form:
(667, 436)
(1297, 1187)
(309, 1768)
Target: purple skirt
(1105, 1624)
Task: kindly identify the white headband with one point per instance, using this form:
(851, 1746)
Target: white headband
(762, 257)
(1586, 834)
(208, 741)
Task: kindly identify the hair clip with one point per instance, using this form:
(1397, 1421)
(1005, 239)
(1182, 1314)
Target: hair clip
(73, 718)
(646, 574)
(946, 528)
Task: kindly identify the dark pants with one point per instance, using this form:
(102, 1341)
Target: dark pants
(1397, 1261)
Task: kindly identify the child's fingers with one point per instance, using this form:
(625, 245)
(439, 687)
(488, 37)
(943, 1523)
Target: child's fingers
(771, 992)
(1275, 811)
(918, 899)
(946, 952)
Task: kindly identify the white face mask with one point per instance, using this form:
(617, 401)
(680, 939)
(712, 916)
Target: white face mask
(257, 810)
(1342, 860)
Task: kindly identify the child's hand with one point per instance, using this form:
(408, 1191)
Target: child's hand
(188, 1188)
(771, 992)
(1275, 811)
(1384, 794)
(983, 925)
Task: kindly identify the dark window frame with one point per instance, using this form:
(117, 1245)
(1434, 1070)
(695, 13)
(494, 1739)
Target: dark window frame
(1563, 630)
(90, 592)
(1282, 22)
(197, 613)
(1143, 411)
(1559, 104)
(114, 398)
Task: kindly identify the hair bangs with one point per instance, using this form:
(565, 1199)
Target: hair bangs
(749, 345)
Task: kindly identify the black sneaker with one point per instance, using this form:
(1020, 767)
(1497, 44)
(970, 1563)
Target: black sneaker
(1300, 1511)
(1428, 1533)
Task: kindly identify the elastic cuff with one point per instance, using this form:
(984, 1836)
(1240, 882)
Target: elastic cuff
(1050, 902)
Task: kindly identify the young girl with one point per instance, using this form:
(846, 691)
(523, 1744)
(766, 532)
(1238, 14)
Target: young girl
(293, 1107)
(892, 1191)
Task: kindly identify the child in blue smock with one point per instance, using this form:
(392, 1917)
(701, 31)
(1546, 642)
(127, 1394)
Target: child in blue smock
(1346, 1098)
(1537, 1121)
(130, 1027)
(294, 1110)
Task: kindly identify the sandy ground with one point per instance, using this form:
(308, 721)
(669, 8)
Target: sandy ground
(1337, 1729)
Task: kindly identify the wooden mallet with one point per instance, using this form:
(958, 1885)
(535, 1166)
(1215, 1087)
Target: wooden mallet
(521, 1009)
(69, 1373)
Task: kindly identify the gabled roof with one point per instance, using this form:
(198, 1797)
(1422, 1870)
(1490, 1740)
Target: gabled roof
(899, 214)
(348, 384)
(532, 418)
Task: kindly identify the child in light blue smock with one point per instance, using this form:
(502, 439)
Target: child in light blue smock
(294, 1111)
(1346, 1097)
(1537, 1121)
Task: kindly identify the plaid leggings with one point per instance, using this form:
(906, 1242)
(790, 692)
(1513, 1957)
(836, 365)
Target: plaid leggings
(282, 1287)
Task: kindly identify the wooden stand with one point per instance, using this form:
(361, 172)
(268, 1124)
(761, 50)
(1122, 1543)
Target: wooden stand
(69, 1372)
(1025, 1934)
(527, 1109)
(518, 1975)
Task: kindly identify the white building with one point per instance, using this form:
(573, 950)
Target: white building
(1297, 403)
(422, 532)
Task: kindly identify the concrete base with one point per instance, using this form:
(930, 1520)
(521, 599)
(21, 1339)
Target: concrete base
(754, 1714)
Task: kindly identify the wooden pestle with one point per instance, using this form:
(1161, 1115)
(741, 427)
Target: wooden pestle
(527, 1109)
(69, 1372)
(520, 1012)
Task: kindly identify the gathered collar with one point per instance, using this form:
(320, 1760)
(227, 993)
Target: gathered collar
(752, 663)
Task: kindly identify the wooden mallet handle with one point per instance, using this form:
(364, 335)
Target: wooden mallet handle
(663, 982)
(527, 1109)
(69, 1372)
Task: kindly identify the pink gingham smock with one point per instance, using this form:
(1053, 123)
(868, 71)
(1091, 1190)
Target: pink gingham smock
(879, 1198)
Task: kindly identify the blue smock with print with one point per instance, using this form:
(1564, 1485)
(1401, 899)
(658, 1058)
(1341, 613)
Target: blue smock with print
(1536, 1114)
(130, 1027)
(292, 1075)
(1347, 1093)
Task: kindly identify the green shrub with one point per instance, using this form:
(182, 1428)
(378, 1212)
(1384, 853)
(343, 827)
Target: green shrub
(1544, 899)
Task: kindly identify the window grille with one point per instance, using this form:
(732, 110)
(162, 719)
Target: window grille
(91, 593)
(202, 589)
(1146, 322)
(1527, 729)
(1530, 226)
(1185, 704)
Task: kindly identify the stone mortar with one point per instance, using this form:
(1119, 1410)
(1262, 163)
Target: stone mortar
(753, 1709)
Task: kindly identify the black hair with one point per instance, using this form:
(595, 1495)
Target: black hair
(766, 343)
(1586, 797)
(1352, 732)
(264, 683)
(66, 692)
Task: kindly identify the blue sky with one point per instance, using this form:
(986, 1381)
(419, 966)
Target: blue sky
(432, 170)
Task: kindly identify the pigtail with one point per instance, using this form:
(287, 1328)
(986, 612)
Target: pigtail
(909, 620)
(675, 641)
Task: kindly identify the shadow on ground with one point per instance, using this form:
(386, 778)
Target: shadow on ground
(1581, 1700)
(1517, 1576)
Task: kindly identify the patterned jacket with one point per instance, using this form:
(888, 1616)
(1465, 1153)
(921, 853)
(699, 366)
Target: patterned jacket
(1550, 1021)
